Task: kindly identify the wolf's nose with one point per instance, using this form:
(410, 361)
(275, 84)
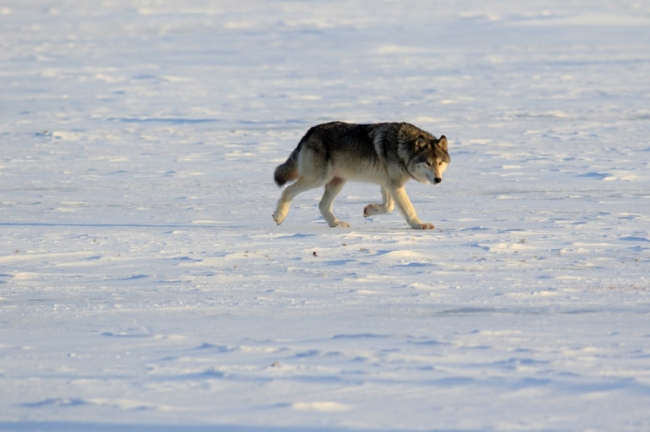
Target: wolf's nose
(437, 180)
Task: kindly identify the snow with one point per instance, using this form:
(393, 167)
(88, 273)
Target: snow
(144, 285)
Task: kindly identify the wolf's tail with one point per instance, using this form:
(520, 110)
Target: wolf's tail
(289, 170)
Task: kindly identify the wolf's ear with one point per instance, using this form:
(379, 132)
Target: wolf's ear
(442, 143)
(420, 143)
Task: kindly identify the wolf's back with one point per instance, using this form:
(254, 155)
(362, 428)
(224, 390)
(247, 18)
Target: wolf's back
(289, 170)
(322, 139)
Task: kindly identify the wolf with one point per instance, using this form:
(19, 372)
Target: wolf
(387, 154)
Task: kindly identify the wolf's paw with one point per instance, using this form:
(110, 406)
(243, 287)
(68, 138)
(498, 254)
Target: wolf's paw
(277, 218)
(422, 226)
(340, 224)
(371, 210)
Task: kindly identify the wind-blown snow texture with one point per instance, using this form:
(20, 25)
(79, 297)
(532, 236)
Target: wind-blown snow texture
(143, 283)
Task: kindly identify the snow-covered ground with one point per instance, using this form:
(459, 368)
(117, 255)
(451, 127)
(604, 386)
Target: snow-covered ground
(144, 285)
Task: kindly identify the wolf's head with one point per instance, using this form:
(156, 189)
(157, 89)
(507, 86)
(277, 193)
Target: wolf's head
(430, 159)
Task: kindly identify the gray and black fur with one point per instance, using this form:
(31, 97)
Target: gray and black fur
(388, 154)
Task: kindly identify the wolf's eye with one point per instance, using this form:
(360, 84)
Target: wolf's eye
(440, 163)
(428, 163)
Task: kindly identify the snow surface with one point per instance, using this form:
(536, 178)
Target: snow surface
(144, 285)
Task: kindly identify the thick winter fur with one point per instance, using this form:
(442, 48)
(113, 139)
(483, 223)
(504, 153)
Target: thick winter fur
(387, 154)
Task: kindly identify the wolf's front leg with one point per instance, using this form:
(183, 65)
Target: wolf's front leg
(405, 206)
(376, 209)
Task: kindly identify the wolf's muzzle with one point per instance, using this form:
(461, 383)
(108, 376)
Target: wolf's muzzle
(437, 180)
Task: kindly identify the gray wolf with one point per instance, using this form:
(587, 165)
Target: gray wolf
(387, 154)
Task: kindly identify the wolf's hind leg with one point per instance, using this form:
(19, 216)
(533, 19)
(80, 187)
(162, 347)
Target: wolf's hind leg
(289, 194)
(376, 209)
(332, 189)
